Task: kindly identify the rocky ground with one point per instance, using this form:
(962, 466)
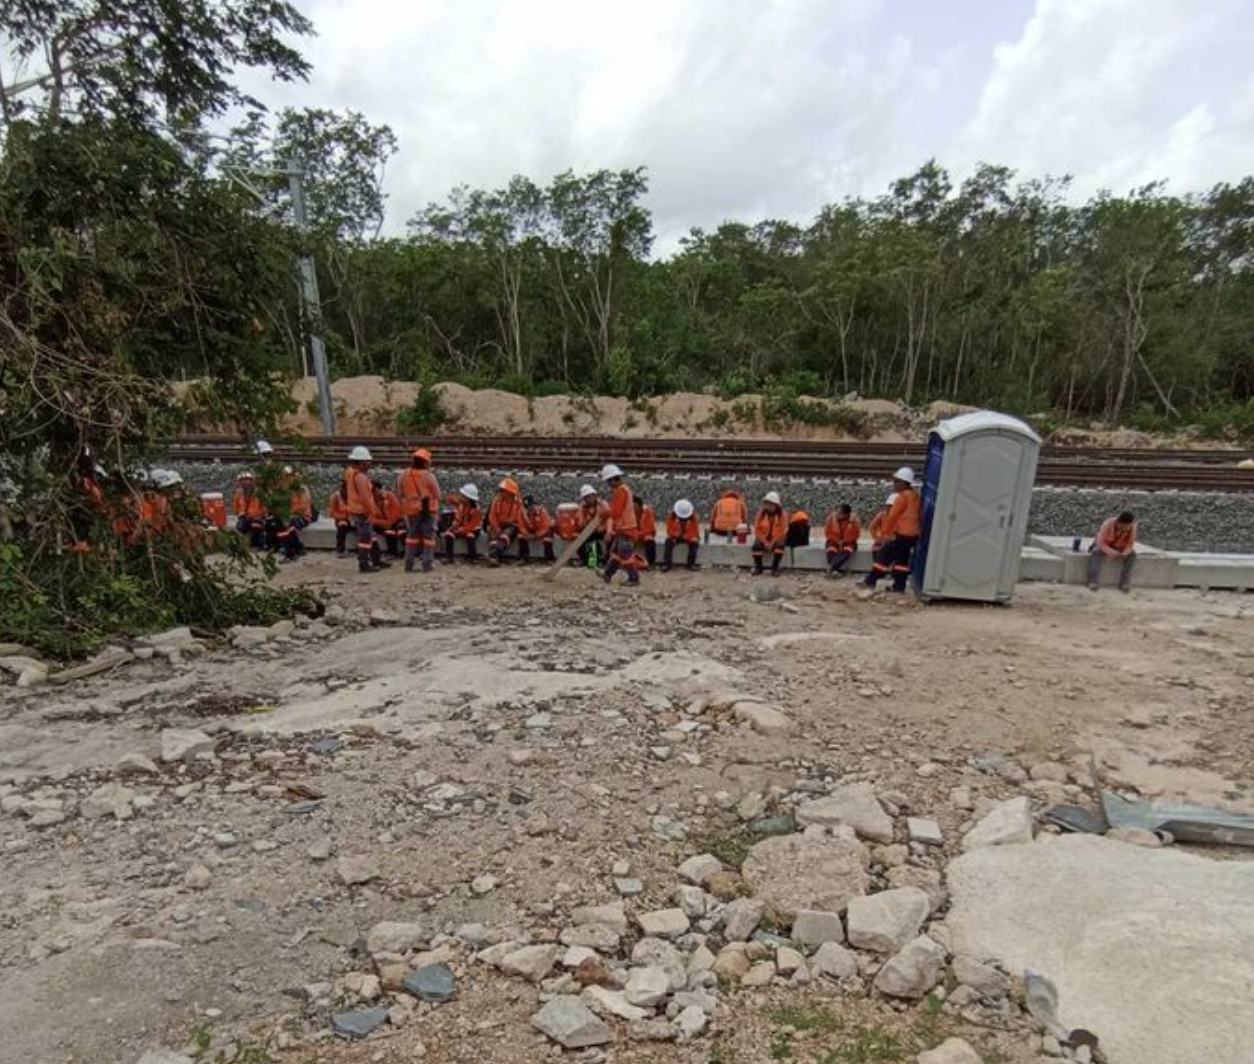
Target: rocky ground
(481, 817)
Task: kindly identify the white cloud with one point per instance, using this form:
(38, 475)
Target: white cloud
(752, 108)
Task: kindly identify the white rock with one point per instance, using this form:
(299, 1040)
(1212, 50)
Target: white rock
(320, 849)
(764, 719)
(355, 870)
(484, 884)
(691, 1022)
(137, 765)
(394, 936)
(924, 831)
(984, 979)
(700, 869)
(664, 923)
(913, 971)
(788, 960)
(816, 870)
(198, 877)
(950, 1051)
(647, 986)
(111, 799)
(741, 918)
(855, 805)
(657, 953)
(760, 974)
(612, 1003)
(886, 921)
(692, 900)
(1007, 824)
(834, 961)
(812, 928)
(183, 744)
(613, 915)
(531, 962)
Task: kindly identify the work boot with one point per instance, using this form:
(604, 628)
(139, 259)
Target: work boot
(775, 565)
(633, 579)
(757, 567)
(365, 564)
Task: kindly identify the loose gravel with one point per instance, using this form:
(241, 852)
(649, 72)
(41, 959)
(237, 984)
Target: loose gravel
(1171, 520)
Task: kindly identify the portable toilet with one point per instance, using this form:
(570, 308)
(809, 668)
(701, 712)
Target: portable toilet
(977, 490)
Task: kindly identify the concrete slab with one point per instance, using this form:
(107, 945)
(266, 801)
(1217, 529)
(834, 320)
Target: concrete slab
(1155, 568)
(1207, 571)
(1150, 949)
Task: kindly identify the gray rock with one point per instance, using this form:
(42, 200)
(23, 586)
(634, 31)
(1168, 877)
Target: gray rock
(763, 719)
(198, 877)
(834, 961)
(913, 971)
(664, 923)
(816, 870)
(137, 765)
(571, 1024)
(612, 915)
(384, 617)
(1009, 823)
(950, 1051)
(657, 953)
(741, 918)
(886, 921)
(692, 900)
(924, 831)
(759, 974)
(531, 962)
(928, 880)
(691, 1022)
(647, 986)
(183, 744)
(668, 829)
(983, 978)
(812, 928)
(652, 1031)
(358, 1023)
(766, 593)
(599, 937)
(111, 799)
(320, 849)
(393, 936)
(628, 887)
(855, 805)
(354, 871)
(607, 1002)
(700, 868)
(433, 982)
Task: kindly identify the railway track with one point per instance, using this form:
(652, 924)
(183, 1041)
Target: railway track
(1190, 470)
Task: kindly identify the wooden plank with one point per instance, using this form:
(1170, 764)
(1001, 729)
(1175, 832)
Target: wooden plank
(571, 549)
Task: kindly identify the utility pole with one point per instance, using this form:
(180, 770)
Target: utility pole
(313, 306)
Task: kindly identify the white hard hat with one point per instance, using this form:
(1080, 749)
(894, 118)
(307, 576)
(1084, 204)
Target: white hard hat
(359, 454)
(470, 492)
(773, 496)
(587, 490)
(905, 474)
(288, 470)
(164, 478)
(611, 471)
(683, 509)
(263, 447)
(891, 499)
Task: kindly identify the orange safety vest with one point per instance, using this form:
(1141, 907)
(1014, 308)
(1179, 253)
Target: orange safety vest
(842, 535)
(358, 493)
(904, 517)
(770, 528)
(247, 505)
(729, 512)
(467, 518)
(336, 506)
(648, 524)
(622, 515)
(686, 531)
(539, 523)
(418, 491)
(568, 522)
(387, 510)
(506, 509)
(302, 504)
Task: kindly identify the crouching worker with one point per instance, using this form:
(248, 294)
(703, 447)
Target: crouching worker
(507, 522)
(249, 511)
(466, 523)
(300, 516)
(899, 533)
(770, 533)
(841, 531)
(337, 507)
(359, 495)
(1116, 542)
(389, 522)
(621, 528)
(419, 495)
(539, 530)
(681, 527)
(646, 531)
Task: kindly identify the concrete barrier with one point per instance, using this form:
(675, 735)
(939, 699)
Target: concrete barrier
(1154, 568)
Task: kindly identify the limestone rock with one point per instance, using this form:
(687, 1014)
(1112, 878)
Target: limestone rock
(664, 923)
(393, 936)
(531, 962)
(984, 979)
(950, 1051)
(759, 974)
(928, 880)
(111, 799)
(854, 805)
(1006, 824)
(198, 877)
(741, 918)
(571, 1024)
(834, 961)
(354, 871)
(608, 1002)
(613, 915)
(812, 928)
(656, 953)
(359, 1023)
(924, 831)
(913, 971)
(815, 870)
(691, 1022)
(732, 962)
(183, 744)
(700, 869)
(763, 719)
(652, 1031)
(137, 765)
(647, 986)
(886, 921)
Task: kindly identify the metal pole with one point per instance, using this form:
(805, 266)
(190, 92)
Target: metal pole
(313, 306)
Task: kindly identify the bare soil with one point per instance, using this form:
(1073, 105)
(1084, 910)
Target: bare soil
(106, 951)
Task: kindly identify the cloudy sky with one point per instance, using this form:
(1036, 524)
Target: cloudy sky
(769, 108)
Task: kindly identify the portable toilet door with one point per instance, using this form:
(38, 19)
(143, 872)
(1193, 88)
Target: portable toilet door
(977, 491)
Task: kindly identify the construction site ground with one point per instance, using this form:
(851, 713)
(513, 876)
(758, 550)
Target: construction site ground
(506, 742)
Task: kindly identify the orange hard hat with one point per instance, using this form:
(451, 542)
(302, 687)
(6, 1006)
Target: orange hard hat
(423, 453)
(510, 484)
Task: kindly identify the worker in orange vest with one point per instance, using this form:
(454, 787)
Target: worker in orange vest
(646, 531)
(1116, 542)
(359, 496)
(770, 534)
(300, 514)
(621, 528)
(249, 511)
(539, 530)
(419, 494)
(874, 529)
(337, 507)
(841, 531)
(681, 527)
(592, 508)
(466, 523)
(388, 521)
(899, 533)
(729, 513)
(507, 521)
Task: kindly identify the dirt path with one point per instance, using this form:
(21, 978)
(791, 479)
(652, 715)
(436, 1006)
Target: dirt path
(536, 734)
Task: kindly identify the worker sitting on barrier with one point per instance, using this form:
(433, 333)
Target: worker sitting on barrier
(729, 513)
(466, 523)
(337, 508)
(592, 508)
(900, 534)
(876, 526)
(249, 511)
(681, 527)
(1115, 542)
(621, 529)
(507, 521)
(770, 534)
(389, 521)
(646, 531)
(300, 515)
(539, 530)
(841, 531)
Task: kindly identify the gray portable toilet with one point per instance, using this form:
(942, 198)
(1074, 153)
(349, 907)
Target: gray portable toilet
(977, 490)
